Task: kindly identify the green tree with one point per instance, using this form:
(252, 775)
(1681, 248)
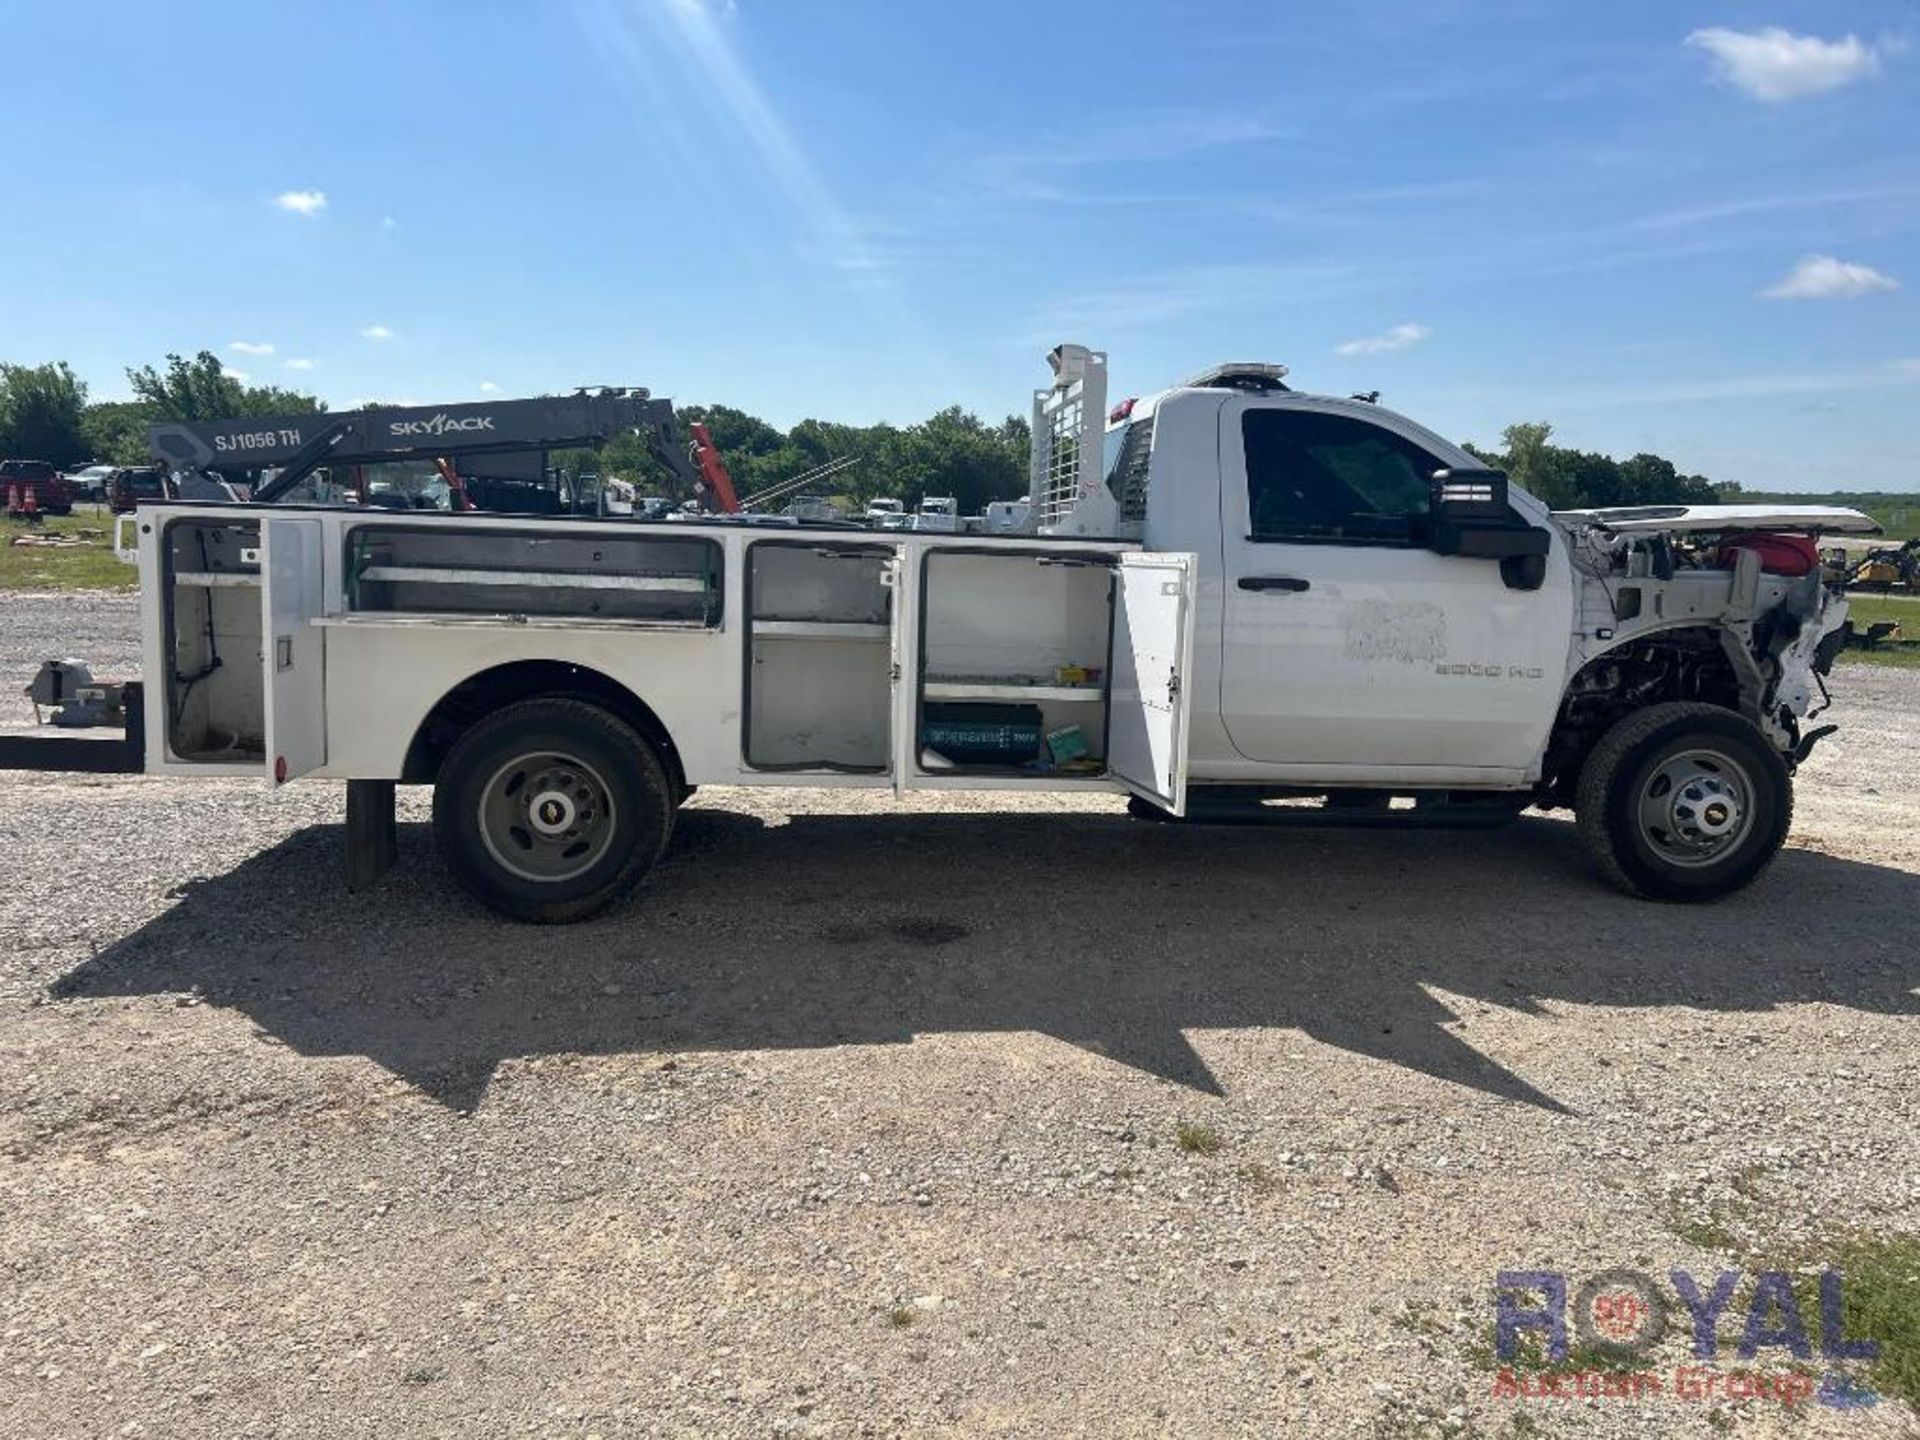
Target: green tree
(203, 389)
(116, 431)
(1527, 460)
(1582, 479)
(40, 407)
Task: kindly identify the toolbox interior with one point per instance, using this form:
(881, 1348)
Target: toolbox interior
(819, 656)
(487, 571)
(1014, 663)
(216, 708)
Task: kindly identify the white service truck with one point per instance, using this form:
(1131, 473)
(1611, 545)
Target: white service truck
(1237, 595)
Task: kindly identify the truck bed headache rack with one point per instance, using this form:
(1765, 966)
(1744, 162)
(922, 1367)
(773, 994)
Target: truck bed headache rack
(1068, 421)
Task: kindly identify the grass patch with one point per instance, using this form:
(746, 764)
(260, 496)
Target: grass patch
(1880, 1276)
(1530, 1357)
(89, 565)
(1198, 1139)
(901, 1316)
(1866, 609)
(1883, 1303)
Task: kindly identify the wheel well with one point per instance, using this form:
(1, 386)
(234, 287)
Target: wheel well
(1681, 664)
(480, 695)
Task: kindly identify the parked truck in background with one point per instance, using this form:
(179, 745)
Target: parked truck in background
(1237, 594)
(35, 487)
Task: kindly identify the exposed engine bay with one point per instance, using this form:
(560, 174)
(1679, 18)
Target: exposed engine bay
(1738, 618)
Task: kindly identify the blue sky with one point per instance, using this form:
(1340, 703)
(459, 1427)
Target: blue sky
(860, 211)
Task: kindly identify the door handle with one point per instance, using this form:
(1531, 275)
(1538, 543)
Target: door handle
(1273, 582)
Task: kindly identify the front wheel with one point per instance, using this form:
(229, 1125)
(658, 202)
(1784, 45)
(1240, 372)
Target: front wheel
(1684, 802)
(550, 809)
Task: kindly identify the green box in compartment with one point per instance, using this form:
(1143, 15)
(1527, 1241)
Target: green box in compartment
(968, 734)
(1066, 745)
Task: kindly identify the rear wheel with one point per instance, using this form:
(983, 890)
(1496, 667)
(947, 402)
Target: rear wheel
(549, 810)
(1684, 802)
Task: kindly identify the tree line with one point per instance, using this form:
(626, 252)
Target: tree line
(1582, 479)
(45, 414)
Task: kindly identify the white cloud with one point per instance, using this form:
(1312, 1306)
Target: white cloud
(242, 376)
(1821, 277)
(376, 332)
(300, 364)
(302, 202)
(387, 222)
(1775, 64)
(1400, 337)
(487, 387)
(250, 347)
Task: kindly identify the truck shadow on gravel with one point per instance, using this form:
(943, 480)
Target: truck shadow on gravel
(1109, 934)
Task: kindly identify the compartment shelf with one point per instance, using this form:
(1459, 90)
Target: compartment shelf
(820, 630)
(1011, 689)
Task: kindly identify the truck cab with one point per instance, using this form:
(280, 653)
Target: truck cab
(1343, 636)
(938, 515)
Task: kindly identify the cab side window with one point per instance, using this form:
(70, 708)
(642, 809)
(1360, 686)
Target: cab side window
(1334, 480)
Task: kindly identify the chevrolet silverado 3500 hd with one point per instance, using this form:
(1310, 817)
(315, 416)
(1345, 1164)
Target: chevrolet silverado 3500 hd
(1246, 593)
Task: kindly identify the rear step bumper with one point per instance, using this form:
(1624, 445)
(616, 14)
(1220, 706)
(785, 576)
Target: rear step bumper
(94, 750)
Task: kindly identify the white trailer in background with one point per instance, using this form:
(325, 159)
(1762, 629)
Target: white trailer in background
(1237, 593)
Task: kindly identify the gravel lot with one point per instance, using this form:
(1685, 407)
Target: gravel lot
(864, 1118)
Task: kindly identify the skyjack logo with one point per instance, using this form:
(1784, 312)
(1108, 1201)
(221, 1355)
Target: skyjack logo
(440, 424)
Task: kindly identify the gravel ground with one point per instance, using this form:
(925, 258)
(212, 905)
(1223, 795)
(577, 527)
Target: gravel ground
(865, 1118)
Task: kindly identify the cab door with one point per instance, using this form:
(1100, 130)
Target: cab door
(1149, 699)
(1348, 645)
(293, 652)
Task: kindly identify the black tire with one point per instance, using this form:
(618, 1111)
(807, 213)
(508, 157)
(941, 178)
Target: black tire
(598, 809)
(1140, 808)
(1684, 802)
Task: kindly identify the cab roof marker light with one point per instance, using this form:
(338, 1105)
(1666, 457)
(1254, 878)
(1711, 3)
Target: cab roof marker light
(1240, 375)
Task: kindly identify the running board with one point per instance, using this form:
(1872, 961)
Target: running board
(1348, 809)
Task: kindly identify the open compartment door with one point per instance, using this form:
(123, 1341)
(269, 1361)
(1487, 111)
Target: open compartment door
(1149, 697)
(903, 665)
(293, 648)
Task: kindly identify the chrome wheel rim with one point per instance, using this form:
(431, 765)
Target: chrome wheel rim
(1696, 807)
(546, 817)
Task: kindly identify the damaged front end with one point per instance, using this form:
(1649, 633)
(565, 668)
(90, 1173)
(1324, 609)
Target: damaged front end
(1721, 604)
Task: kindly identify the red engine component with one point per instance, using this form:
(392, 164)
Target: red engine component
(1779, 554)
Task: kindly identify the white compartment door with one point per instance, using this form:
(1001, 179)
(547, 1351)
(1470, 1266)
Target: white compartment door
(1149, 698)
(293, 648)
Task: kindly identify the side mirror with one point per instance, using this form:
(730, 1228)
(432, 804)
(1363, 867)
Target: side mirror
(1471, 518)
(1469, 494)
